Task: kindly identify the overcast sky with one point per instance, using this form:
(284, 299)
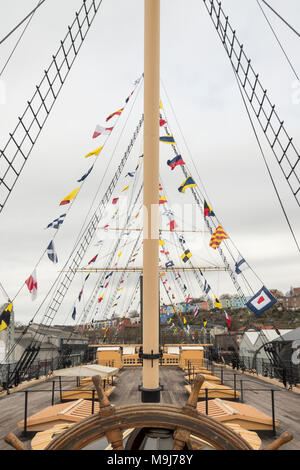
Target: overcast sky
(204, 111)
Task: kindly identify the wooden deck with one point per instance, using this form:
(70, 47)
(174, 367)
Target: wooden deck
(208, 378)
(215, 390)
(256, 393)
(244, 415)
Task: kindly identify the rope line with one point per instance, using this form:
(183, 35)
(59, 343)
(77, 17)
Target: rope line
(277, 39)
(282, 19)
(21, 22)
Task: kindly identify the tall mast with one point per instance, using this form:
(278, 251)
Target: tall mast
(150, 387)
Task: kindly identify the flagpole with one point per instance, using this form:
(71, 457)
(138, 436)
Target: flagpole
(150, 350)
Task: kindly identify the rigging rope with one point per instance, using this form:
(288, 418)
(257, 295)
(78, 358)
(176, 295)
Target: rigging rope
(200, 204)
(273, 127)
(282, 19)
(21, 22)
(64, 280)
(23, 138)
(266, 164)
(277, 39)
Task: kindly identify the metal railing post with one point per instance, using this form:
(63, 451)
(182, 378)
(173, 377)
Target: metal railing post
(53, 392)
(234, 385)
(206, 401)
(25, 413)
(93, 401)
(242, 391)
(60, 390)
(273, 412)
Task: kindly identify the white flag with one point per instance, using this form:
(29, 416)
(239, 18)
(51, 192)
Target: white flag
(102, 130)
(31, 283)
(240, 265)
(261, 301)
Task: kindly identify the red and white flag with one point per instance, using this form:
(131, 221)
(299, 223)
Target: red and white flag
(228, 319)
(173, 225)
(31, 283)
(102, 130)
(261, 301)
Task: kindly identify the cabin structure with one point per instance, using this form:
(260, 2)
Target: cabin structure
(185, 356)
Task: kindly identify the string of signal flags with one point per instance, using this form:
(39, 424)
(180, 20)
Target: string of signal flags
(260, 302)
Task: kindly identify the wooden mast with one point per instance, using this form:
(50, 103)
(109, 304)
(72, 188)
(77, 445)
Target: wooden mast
(150, 387)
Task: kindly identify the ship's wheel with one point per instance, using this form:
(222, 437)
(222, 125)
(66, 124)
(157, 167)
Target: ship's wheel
(188, 428)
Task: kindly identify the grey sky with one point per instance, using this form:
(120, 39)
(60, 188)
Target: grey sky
(198, 79)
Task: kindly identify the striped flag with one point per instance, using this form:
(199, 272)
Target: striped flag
(69, 197)
(101, 131)
(116, 113)
(175, 161)
(169, 139)
(228, 319)
(207, 210)
(217, 237)
(162, 200)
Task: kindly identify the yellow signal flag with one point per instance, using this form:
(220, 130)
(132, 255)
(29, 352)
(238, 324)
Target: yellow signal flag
(217, 303)
(160, 105)
(217, 237)
(162, 200)
(184, 320)
(119, 254)
(69, 197)
(94, 152)
(161, 242)
(204, 324)
(125, 189)
(162, 274)
(5, 317)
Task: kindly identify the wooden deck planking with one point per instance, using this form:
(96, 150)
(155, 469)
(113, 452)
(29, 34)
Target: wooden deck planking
(287, 404)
